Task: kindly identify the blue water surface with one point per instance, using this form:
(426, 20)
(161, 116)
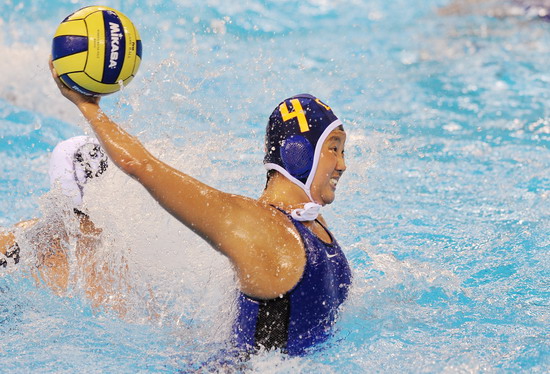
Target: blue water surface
(443, 212)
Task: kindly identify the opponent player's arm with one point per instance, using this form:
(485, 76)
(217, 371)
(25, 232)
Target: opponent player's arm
(7, 240)
(7, 237)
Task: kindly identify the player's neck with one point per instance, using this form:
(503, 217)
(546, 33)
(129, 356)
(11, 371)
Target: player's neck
(284, 194)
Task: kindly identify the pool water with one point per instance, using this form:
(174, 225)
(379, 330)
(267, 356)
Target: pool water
(444, 210)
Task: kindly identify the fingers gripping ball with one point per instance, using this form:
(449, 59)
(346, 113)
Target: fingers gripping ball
(96, 50)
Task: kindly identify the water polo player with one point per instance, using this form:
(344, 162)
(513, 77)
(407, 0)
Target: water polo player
(292, 275)
(73, 163)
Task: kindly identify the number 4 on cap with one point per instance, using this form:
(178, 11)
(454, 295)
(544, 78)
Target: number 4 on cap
(297, 112)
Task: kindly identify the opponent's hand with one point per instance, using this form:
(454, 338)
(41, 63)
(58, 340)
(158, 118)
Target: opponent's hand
(8, 246)
(6, 240)
(75, 97)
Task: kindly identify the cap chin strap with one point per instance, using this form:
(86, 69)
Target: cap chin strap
(309, 212)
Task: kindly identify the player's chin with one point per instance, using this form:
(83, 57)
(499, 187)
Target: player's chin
(328, 197)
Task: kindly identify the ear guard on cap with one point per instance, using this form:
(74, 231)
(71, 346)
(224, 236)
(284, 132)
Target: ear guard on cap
(297, 156)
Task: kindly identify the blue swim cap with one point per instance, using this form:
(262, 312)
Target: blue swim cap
(295, 134)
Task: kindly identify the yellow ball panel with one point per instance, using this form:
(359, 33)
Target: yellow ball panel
(90, 84)
(77, 28)
(70, 63)
(96, 45)
(130, 52)
(85, 12)
(136, 66)
(128, 80)
(136, 32)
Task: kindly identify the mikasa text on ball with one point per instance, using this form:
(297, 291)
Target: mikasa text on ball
(96, 50)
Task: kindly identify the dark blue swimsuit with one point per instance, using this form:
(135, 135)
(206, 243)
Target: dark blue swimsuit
(304, 316)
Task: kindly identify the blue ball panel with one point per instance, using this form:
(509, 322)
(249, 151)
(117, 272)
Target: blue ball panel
(138, 48)
(68, 44)
(115, 47)
(73, 85)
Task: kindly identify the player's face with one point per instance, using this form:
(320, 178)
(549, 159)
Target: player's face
(330, 168)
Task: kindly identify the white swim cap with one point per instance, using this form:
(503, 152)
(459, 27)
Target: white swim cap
(73, 162)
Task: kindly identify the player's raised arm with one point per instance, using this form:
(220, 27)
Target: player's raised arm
(247, 231)
(195, 204)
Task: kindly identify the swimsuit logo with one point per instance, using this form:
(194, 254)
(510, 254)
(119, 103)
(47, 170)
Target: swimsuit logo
(331, 256)
(116, 35)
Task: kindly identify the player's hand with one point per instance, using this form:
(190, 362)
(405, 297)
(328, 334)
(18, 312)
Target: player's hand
(75, 97)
